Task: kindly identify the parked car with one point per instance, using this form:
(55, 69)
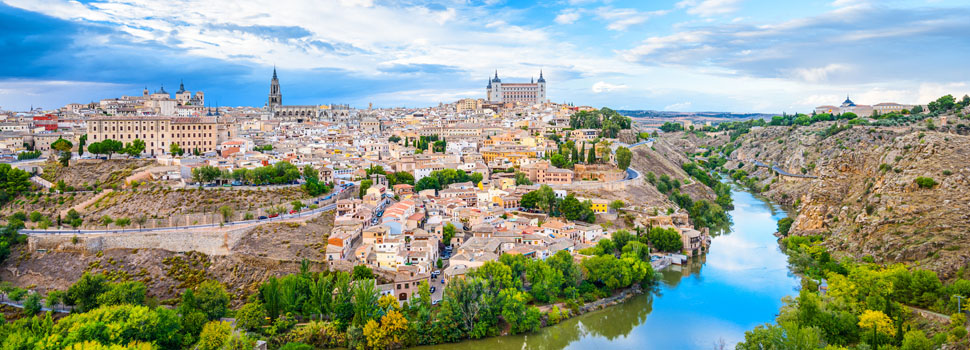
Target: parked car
(432, 289)
(442, 281)
(263, 217)
(292, 211)
(274, 215)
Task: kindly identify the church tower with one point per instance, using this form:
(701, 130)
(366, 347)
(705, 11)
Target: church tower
(275, 97)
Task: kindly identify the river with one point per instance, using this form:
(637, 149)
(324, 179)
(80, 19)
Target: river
(738, 285)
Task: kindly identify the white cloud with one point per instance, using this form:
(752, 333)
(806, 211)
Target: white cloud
(819, 74)
(622, 18)
(567, 16)
(709, 8)
(678, 106)
(602, 86)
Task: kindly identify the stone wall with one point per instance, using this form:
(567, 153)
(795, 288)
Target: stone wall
(215, 242)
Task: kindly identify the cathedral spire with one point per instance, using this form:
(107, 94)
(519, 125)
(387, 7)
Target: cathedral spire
(274, 72)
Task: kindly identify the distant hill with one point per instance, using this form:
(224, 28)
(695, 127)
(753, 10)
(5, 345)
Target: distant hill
(689, 115)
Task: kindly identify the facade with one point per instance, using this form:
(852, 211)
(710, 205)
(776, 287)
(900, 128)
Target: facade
(201, 133)
(863, 110)
(530, 93)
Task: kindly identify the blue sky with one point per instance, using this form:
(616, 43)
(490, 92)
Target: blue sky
(686, 55)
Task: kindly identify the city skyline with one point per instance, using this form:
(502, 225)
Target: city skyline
(710, 55)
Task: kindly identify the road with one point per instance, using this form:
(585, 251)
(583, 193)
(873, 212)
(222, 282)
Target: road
(781, 171)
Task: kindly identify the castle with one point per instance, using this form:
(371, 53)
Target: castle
(530, 93)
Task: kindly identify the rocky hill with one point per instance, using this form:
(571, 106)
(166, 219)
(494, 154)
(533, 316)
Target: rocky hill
(866, 199)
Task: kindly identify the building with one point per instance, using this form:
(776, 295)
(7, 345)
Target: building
(468, 104)
(863, 110)
(530, 93)
(275, 96)
(159, 133)
(186, 98)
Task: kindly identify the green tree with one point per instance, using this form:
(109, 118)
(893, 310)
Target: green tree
(173, 149)
(364, 186)
(226, 212)
(84, 293)
(32, 304)
(212, 299)
(130, 292)
(666, 240)
(135, 148)
(123, 222)
(214, 335)
(106, 220)
(361, 273)
(447, 233)
(522, 179)
(251, 316)
(784, 225)
(623, 157)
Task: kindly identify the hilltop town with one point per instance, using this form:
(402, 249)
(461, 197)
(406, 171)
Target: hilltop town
(412, 194)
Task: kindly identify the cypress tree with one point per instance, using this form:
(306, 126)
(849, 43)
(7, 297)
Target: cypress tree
(591, 158)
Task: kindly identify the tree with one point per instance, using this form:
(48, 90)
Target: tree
(54, 298)
(447, 233)
(623, 157)
(427, 183)
(226, 212)
(122, 293)
(310, 173)
(83, 294)
(617, 205)
(123, 222)
(476, 178)
(364, 186)
(879, 323)
(174, 149)
(667, 240)
(591, 156)
(32, 304)
(106, 220)
(141, 220)
(135, 148)
(522, 179)
(214, 335)
(362, 272)
(390, 333)
(212, 299)
(251, 316)
(784, 225)
(64, 148)
(916, 340)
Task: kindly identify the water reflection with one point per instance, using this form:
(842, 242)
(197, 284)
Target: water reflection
(736, 286)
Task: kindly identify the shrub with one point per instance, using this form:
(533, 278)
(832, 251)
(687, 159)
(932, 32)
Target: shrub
(925, 182)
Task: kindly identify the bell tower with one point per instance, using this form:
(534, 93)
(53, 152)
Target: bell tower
(275, 96)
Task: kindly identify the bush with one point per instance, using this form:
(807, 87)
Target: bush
(784, 225)
(32, 304)
(925, 182)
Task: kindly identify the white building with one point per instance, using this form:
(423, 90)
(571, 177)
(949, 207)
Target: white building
(530, 93)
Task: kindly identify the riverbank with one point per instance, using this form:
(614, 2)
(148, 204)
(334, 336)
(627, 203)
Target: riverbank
(715, 297)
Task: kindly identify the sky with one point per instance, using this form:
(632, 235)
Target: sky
(765, 56)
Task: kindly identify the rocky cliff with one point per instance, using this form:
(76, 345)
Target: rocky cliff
(866, 198)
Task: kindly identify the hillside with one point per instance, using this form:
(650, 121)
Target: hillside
(866, 200)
